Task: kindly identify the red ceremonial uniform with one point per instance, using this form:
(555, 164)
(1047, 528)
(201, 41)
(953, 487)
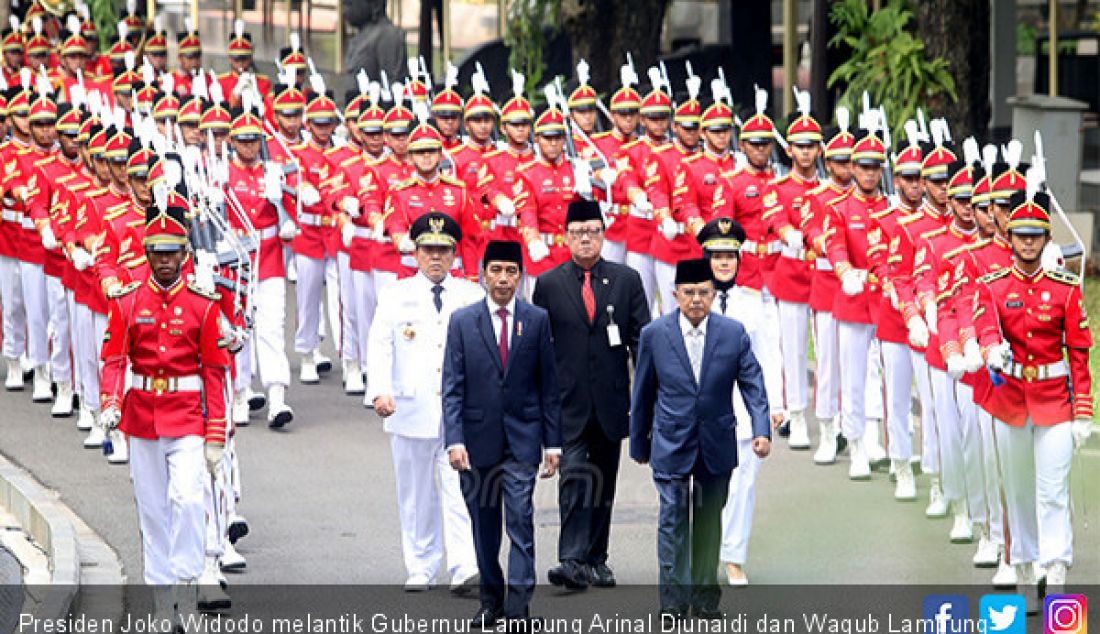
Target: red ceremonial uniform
(85, 227)
(247, 186)
(1043, 318)
(318, 221)
(11, 222)
(824, 284)
(853, 240)
(391, 172)
(22, 181)
(415, 197)
(170, 339)
(542, 194)
(640, 229)
(117, 254)
(609, 144)
(932, 275)
(182, 84)
(50, 172)
(889, 324)
(661, 186)
(740, 196)
(498, 178)
(229, 81)
(911, 230)
(793, 270)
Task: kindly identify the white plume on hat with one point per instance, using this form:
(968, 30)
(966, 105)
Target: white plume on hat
(912, 133)
(398, 92)
(215, 88)
(238, 28)
(374, 91)
(627, 75)
(131, 7)
(130, 58)
(760, 99)
(517, 82)
(72, 23)
(167, 83)
(362, 82)
(42, 83)
(843, 118)
(36, 25)
(14, 22)
(123, 30)
(25, 77)
(148, 73)
(583, 72)
(450, 78)
(802, 100)
(971, 153)
(77, 95)
(158, 23)
(198, 86)
(693, 82)
(295, 41)
(1011, 152)
(478, 82)
(384, 82)
(654, 75)
(989, 156)
(188, 26)
(420, 110)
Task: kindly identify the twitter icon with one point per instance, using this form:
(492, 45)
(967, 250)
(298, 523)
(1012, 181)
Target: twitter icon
(1003, 613)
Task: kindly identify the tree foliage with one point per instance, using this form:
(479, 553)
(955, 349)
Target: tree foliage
(887, 62)
(105, 16)
(530, 22)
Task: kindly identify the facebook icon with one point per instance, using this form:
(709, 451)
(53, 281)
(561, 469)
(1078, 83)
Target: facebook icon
(946, 613)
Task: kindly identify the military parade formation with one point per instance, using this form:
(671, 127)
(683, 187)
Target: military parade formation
(508, 287)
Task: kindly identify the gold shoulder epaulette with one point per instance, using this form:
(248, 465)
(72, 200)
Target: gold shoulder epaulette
(962, 248)
(1064, 277)
(904, 220)
(405, 184)
(692, 157)
(935, 232)
(600, 135)
(125, 290)
(211, 295)
(451, 180)
(995, 275)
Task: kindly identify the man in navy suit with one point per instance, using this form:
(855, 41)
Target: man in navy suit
(682, 424)
(501, 415)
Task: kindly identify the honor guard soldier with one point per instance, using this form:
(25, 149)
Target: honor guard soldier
(13, 55)
(1035, 334)
(166, 333)
(394, 168)
(697, 176)
(855, 247)
(673, 241)
(784, 199)
(447, 112)
(405, 363)
(543, 193)
(12, 234)
(242, 74)
(502, 166)
(656, 111)
(266, 349)
(624, 107)
(429, 190)
(156, 48)
(190, 58)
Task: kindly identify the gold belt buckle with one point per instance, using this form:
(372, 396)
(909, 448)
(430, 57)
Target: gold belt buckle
(1030, 373)
(559, 239)
(160, 385)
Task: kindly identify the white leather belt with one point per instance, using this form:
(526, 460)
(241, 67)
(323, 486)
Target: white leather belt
(1030, 373)
(315, 220)
(268, 233)
(363, 233)
(410, 261)
(167, 384)
(28, 223)
(504, 221)
(643, 215)
(823, 264)
(11, 215)
(681, 229)
(794, 254)
(760, 249)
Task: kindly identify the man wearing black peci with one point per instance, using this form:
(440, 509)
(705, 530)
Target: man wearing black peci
(597, 310)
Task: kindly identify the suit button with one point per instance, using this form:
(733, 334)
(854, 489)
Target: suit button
(162, 349)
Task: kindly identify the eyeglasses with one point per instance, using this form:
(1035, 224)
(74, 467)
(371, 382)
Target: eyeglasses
(592, 232)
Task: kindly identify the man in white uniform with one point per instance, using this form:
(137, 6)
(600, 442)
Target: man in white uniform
(405, 361)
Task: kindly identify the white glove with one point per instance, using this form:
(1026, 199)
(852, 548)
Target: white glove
(999, 356)
(1051, 257)
(582, 178)
(81, 259)
(214, 452)
(109, 419)
(669, 229)
(379, 230)
(931, 317)
(309, 195)
(851, 283)
(406, 245)
(538, 250)
(237, 338)
(794, 239)
(608, 176)
(972, 354)
(642, 204)
(347, 234)
(351, 206)
(892, 294)
(289, 230)
(505, 206)
(273, 181)
(205, 263)
(238, 88)
(956, 365)
(49, 240)
(1082, 429)
(918, 332)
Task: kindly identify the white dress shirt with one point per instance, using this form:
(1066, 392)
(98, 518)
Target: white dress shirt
(695, 338)
(493, 308)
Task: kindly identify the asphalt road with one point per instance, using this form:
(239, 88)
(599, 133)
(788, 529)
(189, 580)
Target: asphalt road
(320, 500)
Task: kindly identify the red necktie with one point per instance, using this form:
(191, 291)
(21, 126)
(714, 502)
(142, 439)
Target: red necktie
(503, 313)
(588, 297)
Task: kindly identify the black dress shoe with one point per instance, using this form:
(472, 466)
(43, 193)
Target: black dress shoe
(486, 618)
(571, 574)
(841, 444)
(784, 430)
(707, 613)
(676, 614)
(602, 576)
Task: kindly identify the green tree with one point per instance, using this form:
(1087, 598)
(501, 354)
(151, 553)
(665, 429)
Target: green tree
(528, 24)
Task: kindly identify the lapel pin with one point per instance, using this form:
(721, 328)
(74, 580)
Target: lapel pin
(519, 328)
(605, 280)
(409, 332)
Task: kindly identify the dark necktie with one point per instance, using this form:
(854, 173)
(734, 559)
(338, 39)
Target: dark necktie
(588, 297)
(723, 297)
(503, 314)
(437, 290)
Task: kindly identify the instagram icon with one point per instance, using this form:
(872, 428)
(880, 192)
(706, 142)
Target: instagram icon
(1065, 614)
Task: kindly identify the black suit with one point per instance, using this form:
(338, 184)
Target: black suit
(595, 387)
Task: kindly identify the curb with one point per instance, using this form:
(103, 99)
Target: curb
(38, 512)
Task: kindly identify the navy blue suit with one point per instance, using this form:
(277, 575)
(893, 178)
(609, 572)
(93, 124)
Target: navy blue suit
(505, 416)
(685, 430)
